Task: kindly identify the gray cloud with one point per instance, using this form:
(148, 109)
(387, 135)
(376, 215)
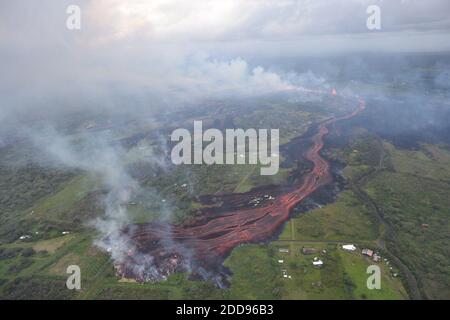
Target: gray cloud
(144, 54)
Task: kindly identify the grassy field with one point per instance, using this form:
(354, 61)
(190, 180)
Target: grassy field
(346, 219)
(417, 209)
(429, 162)
(410, 190)
(258, 274)
(291, 122)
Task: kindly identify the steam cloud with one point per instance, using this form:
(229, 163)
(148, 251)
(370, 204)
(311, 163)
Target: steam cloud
(108, 161)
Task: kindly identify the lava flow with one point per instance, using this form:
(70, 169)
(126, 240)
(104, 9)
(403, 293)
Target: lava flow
(202, 244)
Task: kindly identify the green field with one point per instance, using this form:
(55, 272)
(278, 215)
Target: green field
(343, 275)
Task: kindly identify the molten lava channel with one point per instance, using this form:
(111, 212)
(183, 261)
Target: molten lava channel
(201, 245)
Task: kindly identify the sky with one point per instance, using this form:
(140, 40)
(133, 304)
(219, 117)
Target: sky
(168, 51)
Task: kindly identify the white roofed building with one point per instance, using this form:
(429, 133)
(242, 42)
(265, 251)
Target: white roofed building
(318, 263)
(349, 247)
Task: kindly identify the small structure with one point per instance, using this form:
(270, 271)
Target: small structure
(283, 250)
(309, 250)
(317, 263)
(367, 252)
(376, 257)
(65, 232)
(27, 236)
(280, 261)
(349, 247)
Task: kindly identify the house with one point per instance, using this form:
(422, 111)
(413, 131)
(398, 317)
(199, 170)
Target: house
(367, 252)
(309, 250)
(376, 257)
(349, 247)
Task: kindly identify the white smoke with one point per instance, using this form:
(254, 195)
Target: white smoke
(95, 155)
